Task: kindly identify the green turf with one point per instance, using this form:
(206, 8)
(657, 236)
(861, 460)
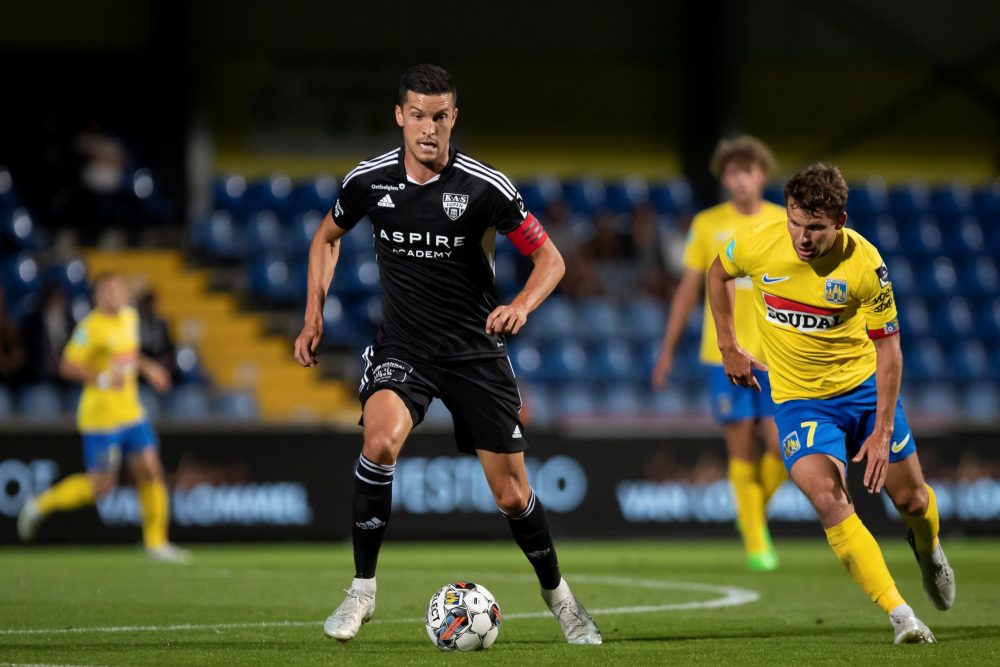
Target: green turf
(809, 611)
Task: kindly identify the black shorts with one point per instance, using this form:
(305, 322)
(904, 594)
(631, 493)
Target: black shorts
(480, 394)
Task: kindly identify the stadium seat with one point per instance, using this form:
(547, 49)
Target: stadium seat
(969, 360)
(189, 402)
(574, 400)
(216, 235)
(775, 193)
(316, 194)
(885, 236)
(979, 276)
(923, 239)
(273, 193)
(277, 280)
(366, 311)
(359, 239)
(626, 195)
(71, 276)
(597, 319)
(21, 275)
(236, 405)
(672, 401)
(937, 401)
(914, 317)
(188, 365)
(526, 358)
(926, 361)
(954, 318)
(644, 318)
(40, 402)
(981, 402)
(868, 200)
(909, 201)
(672, 197)
(339, 329)
(357, 275)
(988, 320)
(263, 233)
(965, 237)
(18, 231)
(538, 407)
(986, 201)
(564, 360)
(300, 235)
(586, 195)
(624, 399)
(611, 359)
(555, 318)
(901, 274)
(938, 277)
(6, 403)
(951, 201)
(9, 199)
(505, 270)
(229, 193)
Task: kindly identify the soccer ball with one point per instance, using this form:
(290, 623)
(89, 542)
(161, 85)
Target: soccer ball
(463, 616)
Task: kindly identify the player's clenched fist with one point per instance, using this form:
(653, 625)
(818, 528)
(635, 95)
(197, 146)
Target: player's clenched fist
(306, 344)
(506, 320)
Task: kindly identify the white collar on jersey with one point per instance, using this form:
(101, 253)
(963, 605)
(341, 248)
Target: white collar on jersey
(427, 182)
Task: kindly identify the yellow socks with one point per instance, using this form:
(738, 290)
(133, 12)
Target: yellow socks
(155, 513)
(925, 528)
(71, 493)
(748, 495)
(860, 554)
(772, 474)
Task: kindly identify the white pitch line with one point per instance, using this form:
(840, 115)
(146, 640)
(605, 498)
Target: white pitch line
(730, 596)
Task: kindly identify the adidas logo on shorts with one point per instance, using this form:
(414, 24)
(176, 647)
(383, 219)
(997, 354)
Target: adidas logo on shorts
(516, 433)
(386, 202)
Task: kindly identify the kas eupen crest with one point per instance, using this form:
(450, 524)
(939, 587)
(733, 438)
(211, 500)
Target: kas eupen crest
(454, 205)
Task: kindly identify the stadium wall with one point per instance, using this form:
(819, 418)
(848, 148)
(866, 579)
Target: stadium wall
(296, 485)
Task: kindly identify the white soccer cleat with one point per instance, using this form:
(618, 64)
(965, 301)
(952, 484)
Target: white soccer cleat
(28, 520)
(909, 629)
(170, 553)
(577, 625)
(939, 578)
(357, 608)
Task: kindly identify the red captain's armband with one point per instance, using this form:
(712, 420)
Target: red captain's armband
(886, 330)
(529, 235)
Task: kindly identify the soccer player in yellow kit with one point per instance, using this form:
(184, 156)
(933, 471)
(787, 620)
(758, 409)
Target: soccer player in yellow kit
(103, 355)
(743, 165)
(827, 316)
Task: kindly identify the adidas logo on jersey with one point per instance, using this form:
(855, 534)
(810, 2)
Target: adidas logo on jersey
(371, 524)
(516, 433)
(386, 202)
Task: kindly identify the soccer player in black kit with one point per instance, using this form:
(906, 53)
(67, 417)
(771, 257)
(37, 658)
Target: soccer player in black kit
(435, 213)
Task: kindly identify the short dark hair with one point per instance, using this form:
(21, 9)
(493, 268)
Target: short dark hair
(818, 189)
(743, 148)
(427, 80)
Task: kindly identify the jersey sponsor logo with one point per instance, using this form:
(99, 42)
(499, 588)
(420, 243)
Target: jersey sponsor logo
(883, 301)
(897, 447)
(434, 246)
(791, 444)
(801, 316)
(883, 275)
(386, 202)
(386, 186)
(769, 280)
(454, 204)
(835, 291)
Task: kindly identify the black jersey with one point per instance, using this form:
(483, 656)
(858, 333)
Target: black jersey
(434, 245)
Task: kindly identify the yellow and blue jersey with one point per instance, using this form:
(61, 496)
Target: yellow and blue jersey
(710, 229)
(816, 319)
(107, 343)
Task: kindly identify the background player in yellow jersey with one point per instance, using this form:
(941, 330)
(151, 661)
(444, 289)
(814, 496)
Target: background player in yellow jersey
(827, 317)
(103, 355)
(742, 165)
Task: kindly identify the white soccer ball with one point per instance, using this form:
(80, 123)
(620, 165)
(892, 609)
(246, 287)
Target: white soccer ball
(463, 616)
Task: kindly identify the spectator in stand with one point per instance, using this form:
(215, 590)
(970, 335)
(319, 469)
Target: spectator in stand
(154, 334)
(47, 330)
(12, 353)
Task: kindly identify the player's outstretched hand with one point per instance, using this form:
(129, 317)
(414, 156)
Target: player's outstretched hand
(739, 365)
(158, 377)
(876, 450)
(661, 371)
(506, 320)
(307, 343)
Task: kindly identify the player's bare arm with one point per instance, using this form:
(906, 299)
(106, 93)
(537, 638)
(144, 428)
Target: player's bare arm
(687, 294)
(737, 362)
(548, 270)
(323, 254)
(74, 372)
(155, 373)
(888, 376)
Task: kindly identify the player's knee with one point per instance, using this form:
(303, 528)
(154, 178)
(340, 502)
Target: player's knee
(103, 484)
(381, 447)
(830, 503)
(911, 500)
(511, 499)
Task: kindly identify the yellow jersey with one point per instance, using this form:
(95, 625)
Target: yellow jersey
(710, 229)
(816, 318)
(107, 343)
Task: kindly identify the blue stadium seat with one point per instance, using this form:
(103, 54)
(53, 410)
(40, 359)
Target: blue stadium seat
(538, 408)
(914, 317)
(189, 402)
(9, 199)
(868, 200)
(359, 239)
(317, 194)
(236, 405)
(303, 226)
(217, 235)
(357, 275)
(505, 271)
(366, 311)
(885, 236)
(775, 193)
(575, 400)
(673, 401)
(40, 402)
(901, 274)
(988, 320)
(951, 201)
(937, 401)
(970, 361)
(923, 239)
(981, 402)
(598, 319)
(526, 358)
(986, 201)
(273, 193)
(273, 277)
(926, 361)
(586, 195)
(21, 275)
(263, 233)
(644, 318)
(625, 196)
(189, 367)
(979, 277)
(965, 237)
(909, 201)
(954, 318)
(6, 402)
(229, 193)
(71, 276)
(18, 231)
(564, 360)
(555, 318)
(938, 277)
(339, 329)
(672, 197)
(624, 399)
(611, 359)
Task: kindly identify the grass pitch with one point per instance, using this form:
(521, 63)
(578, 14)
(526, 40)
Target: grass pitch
(264, 605)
